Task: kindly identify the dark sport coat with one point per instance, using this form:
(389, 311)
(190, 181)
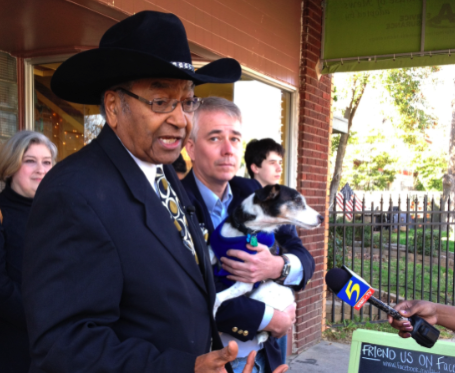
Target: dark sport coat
(108, 285)
(243, 313)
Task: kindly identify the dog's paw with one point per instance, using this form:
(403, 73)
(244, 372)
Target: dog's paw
(213, 258)
(216, 306)
(262, 337)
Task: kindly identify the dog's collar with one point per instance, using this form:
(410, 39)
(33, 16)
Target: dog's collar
(237, 224)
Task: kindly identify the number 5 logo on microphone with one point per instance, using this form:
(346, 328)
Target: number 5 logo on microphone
(352, 289)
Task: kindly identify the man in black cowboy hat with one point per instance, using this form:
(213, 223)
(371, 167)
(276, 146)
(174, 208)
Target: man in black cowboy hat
(116, 276)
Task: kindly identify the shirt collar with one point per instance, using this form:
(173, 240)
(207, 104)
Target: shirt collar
(210, 198)
(149, 169)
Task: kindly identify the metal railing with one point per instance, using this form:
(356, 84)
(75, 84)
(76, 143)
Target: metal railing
(404, 253)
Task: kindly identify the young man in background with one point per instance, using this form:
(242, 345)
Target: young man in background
(264, 162)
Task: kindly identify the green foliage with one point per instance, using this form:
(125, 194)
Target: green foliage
(343, 331)
(403, 86)
(335, 143)
(348, 232)
(338, 261)
(421, 243)
(376, 174)
(372, 162)
(430, 168)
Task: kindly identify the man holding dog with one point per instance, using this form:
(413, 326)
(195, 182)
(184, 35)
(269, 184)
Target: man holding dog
(116, 275)
(215, 147)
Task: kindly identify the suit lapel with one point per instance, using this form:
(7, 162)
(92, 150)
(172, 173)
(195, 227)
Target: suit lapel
(196, 198)
(162, 228)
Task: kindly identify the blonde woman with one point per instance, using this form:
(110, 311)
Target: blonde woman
(24, 160)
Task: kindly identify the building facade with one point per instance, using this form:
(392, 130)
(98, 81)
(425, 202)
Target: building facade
(281, 94)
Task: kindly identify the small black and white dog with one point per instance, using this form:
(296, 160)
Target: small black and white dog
(264, 211)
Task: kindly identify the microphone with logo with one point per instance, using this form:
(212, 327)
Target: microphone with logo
(355, 291)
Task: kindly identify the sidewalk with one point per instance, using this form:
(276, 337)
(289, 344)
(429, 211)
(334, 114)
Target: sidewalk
(325, 357)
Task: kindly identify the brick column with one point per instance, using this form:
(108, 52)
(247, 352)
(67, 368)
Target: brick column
(314, 142)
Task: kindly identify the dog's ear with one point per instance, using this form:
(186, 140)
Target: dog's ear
(267, 193)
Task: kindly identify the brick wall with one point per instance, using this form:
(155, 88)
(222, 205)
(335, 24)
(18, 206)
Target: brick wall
(312, 179)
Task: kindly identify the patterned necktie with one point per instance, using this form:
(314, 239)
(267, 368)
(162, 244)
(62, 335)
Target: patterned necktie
(170, 200)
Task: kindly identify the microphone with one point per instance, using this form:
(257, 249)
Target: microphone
(345, 283)
(190, 209)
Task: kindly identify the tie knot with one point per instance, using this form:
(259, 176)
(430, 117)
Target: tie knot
(159, 171)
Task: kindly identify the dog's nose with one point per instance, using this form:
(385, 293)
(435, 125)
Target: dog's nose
(320, 219)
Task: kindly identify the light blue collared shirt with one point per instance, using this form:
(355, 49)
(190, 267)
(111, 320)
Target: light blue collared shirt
(218, 209)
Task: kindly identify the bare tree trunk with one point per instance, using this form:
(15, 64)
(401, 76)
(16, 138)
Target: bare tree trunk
(447, 188)
(448, 180)
(357, 91)
(335, 183)
(451, 170)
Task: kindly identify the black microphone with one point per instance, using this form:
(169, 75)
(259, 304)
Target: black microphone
(423, 333)
(336, 278)
(190, 209)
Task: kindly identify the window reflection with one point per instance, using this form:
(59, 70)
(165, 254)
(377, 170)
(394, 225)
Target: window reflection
(70, 126)
(8, 96)
(265, 112)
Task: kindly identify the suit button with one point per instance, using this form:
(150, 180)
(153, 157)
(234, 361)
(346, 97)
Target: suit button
(234, 329)
(240, 332)
(245, 333)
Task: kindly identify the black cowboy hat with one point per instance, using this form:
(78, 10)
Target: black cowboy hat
(146, 45)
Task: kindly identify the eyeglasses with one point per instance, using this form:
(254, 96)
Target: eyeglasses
(167, 105)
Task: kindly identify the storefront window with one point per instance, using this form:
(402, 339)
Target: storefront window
(70, 126)
(8, 96)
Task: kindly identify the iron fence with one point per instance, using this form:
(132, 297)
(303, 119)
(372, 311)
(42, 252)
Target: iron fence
(403, 251)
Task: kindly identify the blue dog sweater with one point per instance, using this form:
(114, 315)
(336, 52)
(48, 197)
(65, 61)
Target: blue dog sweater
(220, 245)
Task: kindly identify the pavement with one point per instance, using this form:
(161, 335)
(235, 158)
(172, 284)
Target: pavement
(325, 357)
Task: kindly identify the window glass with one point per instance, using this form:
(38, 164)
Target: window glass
(70, 126)
(8, 96)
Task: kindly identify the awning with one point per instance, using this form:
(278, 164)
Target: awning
(386, 34)
(45, 27)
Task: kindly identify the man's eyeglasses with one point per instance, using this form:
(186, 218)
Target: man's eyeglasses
(166, 105)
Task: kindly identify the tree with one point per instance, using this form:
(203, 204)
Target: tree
(410, 119)
(359, 81)
(404, 88)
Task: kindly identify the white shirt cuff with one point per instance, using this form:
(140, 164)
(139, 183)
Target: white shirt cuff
(268, 314)
(296, 274)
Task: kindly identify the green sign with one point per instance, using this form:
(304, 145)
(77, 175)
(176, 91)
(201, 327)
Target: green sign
(374, 34)
(378, 352)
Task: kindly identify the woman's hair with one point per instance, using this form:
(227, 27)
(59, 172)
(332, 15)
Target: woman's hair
(12, 151)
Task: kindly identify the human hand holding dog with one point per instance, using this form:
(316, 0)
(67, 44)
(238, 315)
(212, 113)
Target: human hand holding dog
(258, 267)
(282, 321)
(215, 361)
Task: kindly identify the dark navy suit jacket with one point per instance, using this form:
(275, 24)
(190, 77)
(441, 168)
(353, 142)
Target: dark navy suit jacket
(108, 285)
(242, 312)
